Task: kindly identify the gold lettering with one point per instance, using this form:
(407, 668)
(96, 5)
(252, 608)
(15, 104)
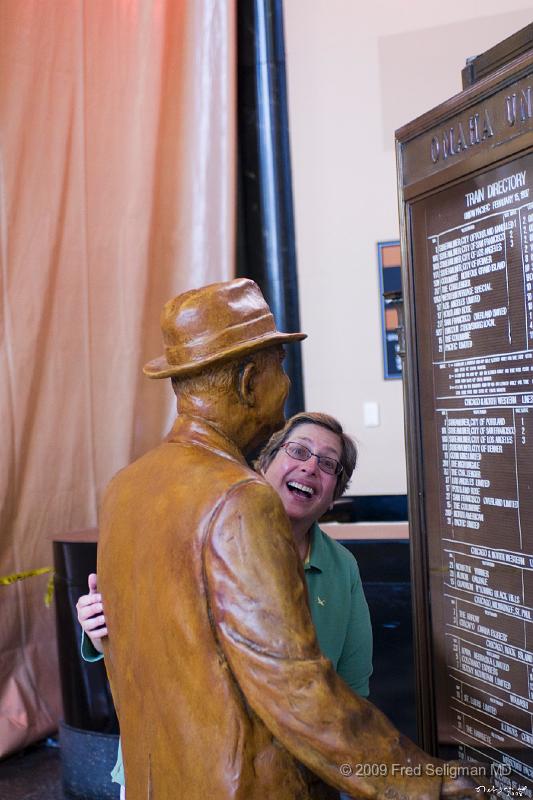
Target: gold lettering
(452, 142)
(473, 129)
(445, 145)
(488, 130)
(461, 139)
(525, 104)
(510, 109)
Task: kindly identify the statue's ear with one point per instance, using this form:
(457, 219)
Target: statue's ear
(247, 384)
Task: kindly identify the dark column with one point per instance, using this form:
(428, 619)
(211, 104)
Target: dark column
(266, 247)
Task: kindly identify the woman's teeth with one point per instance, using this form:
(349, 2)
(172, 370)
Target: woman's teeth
(299, 487)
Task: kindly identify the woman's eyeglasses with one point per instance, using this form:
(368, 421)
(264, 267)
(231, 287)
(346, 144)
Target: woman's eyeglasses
(302, 453)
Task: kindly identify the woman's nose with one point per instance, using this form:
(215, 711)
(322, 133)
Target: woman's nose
(311, 465)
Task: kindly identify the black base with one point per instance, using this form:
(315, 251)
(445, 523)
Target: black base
(87, 759)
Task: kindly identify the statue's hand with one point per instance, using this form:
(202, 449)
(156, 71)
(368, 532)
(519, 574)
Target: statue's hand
(462, 785)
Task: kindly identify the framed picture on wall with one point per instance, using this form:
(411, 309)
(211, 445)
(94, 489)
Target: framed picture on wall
(390, 280)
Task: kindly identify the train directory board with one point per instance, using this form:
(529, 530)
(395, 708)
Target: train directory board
(468, 240)
(479, 423)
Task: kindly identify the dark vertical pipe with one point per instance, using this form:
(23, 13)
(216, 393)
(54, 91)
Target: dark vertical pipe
(266, 243)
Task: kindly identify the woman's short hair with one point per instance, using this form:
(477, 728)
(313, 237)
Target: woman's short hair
(348, 456)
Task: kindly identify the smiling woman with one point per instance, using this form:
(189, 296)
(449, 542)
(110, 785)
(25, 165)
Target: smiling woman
(309, 463)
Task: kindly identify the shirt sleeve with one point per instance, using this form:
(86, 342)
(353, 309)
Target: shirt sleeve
(355, 662)
(260, 616)
(88, 650)
(117, 773)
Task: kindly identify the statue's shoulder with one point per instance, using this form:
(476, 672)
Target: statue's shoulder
(136, 472)
(251, 497)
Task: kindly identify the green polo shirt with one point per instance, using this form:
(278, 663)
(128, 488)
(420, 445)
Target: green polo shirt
(339, 610)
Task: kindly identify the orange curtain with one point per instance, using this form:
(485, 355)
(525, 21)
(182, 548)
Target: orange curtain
(117, 191)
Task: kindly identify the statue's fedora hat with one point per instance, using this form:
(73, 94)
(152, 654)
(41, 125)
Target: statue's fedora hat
(212, 325)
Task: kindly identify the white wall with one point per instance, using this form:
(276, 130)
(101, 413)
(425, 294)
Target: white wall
(356, 72)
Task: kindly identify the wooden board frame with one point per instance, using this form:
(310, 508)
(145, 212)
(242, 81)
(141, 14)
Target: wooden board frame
(487, 125)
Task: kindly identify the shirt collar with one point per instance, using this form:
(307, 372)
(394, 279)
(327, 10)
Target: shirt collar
(195, 430)
(318, 554)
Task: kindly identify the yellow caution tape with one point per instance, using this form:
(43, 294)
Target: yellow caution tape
(49, 594)
(20, 576)
(6, 580)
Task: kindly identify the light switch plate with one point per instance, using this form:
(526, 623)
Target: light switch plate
(371, 415)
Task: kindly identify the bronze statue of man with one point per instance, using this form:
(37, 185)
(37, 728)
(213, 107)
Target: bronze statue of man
(218, 680)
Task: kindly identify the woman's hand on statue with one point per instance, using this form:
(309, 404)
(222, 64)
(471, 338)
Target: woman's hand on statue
(91, 614)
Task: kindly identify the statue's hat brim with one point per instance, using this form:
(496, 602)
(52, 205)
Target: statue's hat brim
(215, 324)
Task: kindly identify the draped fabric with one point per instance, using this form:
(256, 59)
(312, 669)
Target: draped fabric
(117, 144)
